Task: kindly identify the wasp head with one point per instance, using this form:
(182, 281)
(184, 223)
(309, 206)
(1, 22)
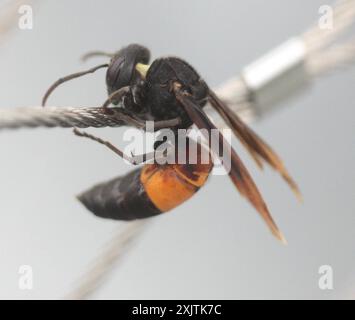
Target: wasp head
(122, 70)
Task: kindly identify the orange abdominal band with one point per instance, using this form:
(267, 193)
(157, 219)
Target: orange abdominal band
(167, 186)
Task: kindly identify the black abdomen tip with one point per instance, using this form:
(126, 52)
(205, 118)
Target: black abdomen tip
(122, 198)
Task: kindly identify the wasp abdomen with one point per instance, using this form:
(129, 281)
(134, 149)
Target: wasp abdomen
(147, 191)
(122, 198)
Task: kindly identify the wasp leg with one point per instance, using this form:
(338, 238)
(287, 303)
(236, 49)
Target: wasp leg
(105, 143)
(133, 159)
(68, 78)
(157, 125)
(165, 124)
(115, 96)
(92, 54)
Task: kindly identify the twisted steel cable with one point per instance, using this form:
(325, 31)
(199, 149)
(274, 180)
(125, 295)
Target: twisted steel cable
(64, 117)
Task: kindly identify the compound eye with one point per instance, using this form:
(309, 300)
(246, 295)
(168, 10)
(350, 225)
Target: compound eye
(118, 75)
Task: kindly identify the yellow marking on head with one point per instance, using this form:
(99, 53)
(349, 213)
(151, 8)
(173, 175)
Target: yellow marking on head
(142, 69)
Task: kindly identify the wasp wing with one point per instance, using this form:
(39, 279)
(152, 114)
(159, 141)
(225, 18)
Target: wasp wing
(258, 148)
(238, 173)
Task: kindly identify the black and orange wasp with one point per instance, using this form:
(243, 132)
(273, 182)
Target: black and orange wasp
(173, 95)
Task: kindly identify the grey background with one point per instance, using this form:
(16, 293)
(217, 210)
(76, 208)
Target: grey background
(215, 245)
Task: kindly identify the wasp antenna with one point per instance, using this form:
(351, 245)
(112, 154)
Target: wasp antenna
(92, 54)
(68, 78)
